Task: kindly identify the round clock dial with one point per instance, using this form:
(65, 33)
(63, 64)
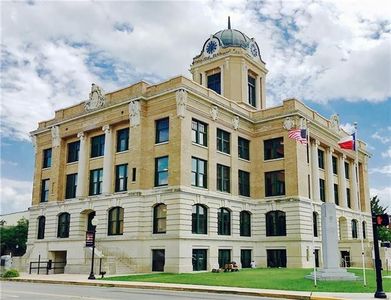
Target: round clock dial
(253, 50)
(211, 47)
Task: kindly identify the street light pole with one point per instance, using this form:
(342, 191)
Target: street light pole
(379, 282)
(94, 223)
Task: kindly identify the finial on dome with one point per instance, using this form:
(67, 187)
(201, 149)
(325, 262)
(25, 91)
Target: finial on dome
(229, 22)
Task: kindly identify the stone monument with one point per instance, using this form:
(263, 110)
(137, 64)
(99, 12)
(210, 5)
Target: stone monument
(331, 269)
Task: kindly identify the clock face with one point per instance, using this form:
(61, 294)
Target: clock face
(211, 47)
(253, 50)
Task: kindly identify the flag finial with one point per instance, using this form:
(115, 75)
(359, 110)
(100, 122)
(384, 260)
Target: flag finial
(229, 22)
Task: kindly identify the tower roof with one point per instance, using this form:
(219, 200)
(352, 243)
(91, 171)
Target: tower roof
(232, 38)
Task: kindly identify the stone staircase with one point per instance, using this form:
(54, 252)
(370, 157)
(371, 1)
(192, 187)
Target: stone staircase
(115, 261)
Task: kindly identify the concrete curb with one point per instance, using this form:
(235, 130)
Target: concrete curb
(203, 289)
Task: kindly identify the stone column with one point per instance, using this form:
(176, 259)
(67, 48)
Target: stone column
(204, 79)
(353, 186)
(342, 180)
(107, 160)
(244, 82)
(258, 98)
(315, 171)
(81, 167)
(222, 80)
(329, 176)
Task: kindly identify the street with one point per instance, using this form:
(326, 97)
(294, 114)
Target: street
(41, 291)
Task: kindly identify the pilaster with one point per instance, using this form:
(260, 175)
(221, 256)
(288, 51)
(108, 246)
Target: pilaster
(342, 180)
(107, 160)
(81, 167)
(329, 176)
(315, 171)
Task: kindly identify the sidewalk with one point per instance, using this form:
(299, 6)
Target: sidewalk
(81, 279)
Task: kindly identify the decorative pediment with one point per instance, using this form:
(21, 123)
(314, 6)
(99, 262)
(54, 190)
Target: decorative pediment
(289, 123)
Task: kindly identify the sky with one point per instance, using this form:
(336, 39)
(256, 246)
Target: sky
(335, 56)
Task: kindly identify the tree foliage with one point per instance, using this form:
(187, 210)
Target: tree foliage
(378, 209)
(14, 238)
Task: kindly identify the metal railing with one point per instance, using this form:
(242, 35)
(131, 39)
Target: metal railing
(46, 266)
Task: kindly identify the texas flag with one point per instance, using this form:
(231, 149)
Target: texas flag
(348, 142)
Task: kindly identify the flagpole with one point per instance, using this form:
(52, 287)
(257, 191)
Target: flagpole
(359, 203)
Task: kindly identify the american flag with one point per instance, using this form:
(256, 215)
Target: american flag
(299, 135)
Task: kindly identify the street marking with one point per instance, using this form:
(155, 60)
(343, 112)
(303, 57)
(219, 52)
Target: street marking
(61, 296)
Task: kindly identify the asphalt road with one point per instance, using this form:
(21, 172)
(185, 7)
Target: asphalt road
(42, 291)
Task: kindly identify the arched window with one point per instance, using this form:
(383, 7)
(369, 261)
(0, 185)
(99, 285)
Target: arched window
(224, 221)
(116, 221)
(275, 223)
(41, 228)
(63, 225)
(91, 215)
(199, 220)
(354, 229)
(245, 223)
(364, 230)
(315, 223)
(159, 218)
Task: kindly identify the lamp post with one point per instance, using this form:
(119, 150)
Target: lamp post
(90, 242)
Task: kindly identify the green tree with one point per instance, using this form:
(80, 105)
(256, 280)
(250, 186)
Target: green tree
(14, 238)
(378, 209)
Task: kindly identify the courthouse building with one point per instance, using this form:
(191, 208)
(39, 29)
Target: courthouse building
(189, 174)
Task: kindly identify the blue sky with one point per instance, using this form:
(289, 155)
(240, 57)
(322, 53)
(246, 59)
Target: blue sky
(333, 55)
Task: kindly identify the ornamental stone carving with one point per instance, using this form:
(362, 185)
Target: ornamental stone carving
(81, 136)
(289, 123)
(56, 139)
(214, 112)
(235, 122)
(134, 113)
(181, 101)
(106, 128)
(96, 99)
(334, 122)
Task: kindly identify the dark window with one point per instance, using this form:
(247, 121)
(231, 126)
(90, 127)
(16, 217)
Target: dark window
(134, 174)
(73, 151)
(245, 258)
(96, 178)
(158, 260)
(199, 132)
(90, 227)
(199, 259)
(224, 257)
(364, 230)
(348, 198)
(63, 225)
(275, 183)
(223, 221)
(98, 145)
(251, 91)
(162, 130)
(161, 171)
(71, 185)
(276, 258)
(47, 158)
(122, 139)
(198, 172)
(244, 183)
(116, 221)
(347, 170)
(321, 158)
(159, 218)
(45, 190)
(354, 229)
(245, 223)
(121, 178)
(322, 190)
(335, 165)
(273, 148)
(223, 141)
(315, 223)
(244, 148)
(214, 82)
(223, 178)
(199, 219)
(41, 228)
(336, 195)
(275, 223)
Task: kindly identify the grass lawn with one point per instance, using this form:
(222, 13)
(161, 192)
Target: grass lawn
(280, 279)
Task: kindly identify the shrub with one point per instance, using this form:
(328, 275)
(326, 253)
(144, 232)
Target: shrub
(11, 273)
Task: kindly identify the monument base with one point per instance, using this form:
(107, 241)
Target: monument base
(333, 274)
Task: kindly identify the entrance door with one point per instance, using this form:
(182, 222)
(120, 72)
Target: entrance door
(59, 261)
(276, 258)
(245, 258)
(158, 260)
(345, 259)
(224, 257)
(199, 259)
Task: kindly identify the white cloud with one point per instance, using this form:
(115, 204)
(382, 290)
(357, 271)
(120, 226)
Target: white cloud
(386, 170)
(387, 153)
(381, 137)
(349, 128)
(384, 194)
(15, 195)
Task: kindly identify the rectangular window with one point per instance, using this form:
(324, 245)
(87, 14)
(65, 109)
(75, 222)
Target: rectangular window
(214, 83)
(73, 151)
(47, 158)
(223, 141)
(224, 257)
(336, 197)
(162, 130)
(121, 178)
(123, 139)
(321, 158)
(98, 145)
(244, 148)
(322, 190)
(223, 178)
(198, 172)
(96, 178)
(335, 165)
(70, 190)
(275, 183)
(199, 132)
(245, 258)
(134, 172)
(161, 171)
(251, 91)
(348, 198)
(244, 183)
(199, 259)
(276, 258)
(347, 170)
(273, 148)
(45, 190)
